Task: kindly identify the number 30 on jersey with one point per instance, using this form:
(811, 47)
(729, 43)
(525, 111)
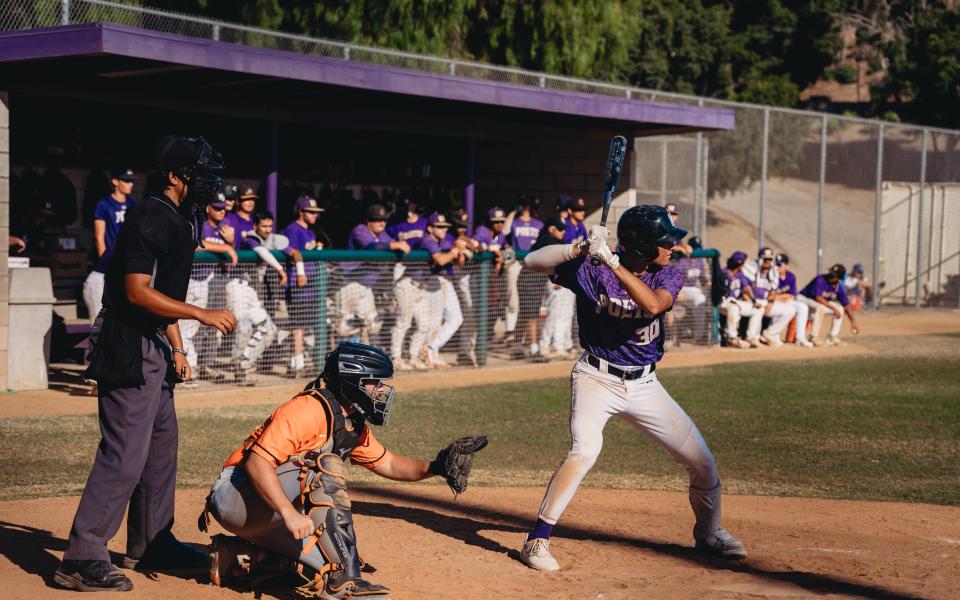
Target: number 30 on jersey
(647, 335)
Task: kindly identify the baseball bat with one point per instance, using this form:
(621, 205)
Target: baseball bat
(611, 176)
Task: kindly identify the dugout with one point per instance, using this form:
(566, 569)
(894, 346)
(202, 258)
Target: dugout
(76, 100)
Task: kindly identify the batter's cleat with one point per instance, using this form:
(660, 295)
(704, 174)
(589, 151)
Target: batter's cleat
(754, 342)
(771, 340)
(721, 543)
(91, 576)
(536, 555)
(804, 343)
(738, 343)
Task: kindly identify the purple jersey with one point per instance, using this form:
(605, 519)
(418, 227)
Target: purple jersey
(112, 213)
(787, 284)
(208, 233)
(524, 233)
(241, 227)
(488, 239)
(301, 239)
(611, 326)
(694, 271)
(431, 245)
(411, 233)
(574, 233)
(819, 287)
(736, 283)
(361, 238)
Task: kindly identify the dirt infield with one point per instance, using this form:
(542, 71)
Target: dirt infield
(612, 545)
(890, 321)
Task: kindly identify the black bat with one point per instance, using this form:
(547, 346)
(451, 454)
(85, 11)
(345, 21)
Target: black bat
(611, 176)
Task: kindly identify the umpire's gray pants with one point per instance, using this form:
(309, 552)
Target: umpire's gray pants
(136, 461)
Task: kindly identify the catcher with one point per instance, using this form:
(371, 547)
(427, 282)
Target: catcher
(284, 489)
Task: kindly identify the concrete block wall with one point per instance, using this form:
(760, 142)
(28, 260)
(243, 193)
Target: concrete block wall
(4, 235)
(507, 170)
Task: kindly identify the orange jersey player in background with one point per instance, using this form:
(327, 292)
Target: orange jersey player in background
(284, 489)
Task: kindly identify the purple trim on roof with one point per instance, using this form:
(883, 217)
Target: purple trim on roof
(153, 45)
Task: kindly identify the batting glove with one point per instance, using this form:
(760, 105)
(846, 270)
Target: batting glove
(601, 250)
(598, 232)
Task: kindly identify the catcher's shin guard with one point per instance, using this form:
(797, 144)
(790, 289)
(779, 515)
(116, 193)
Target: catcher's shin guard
(331, 552)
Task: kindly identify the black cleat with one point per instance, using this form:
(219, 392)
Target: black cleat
(167, 553)
(92, 576)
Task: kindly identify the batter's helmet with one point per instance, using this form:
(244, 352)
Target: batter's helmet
(349, 367)
(642, 229)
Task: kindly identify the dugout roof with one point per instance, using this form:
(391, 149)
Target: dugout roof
(110, 63)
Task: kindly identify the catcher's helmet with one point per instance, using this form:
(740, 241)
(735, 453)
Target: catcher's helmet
(839, 271)
(349, 367)
(641, 229)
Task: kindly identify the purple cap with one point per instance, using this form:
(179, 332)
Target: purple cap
(496, 215)
(218, 204)
(438, 219)
(766, 252)
(376, 212)
(577, 205)
(308, 204)
(125, 175)
(563, 202)
(738, 257)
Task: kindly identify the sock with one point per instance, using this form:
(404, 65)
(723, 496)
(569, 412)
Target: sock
(541, 530)
(534, 348)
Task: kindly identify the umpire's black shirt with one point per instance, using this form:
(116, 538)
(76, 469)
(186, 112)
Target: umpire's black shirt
(156, 239)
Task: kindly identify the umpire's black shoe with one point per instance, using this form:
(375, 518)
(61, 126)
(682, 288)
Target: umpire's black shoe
(92, 576)
(167, 553)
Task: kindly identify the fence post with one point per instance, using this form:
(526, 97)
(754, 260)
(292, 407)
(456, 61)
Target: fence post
(877, 211)
(483, 312)
(923, 185)
(822, 189)
(704, 191)
(64, 12)
(215, 34)
(663, 172)
(321, 330)
(763, 172)
(696, 185)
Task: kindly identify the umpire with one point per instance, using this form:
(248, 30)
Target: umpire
(137, 359)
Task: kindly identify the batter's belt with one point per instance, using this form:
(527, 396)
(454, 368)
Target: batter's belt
(624, 374)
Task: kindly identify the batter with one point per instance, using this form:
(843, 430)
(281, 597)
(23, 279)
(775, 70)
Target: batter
(620, 308)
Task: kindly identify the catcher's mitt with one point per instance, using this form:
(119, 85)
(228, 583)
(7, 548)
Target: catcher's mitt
(454, 462)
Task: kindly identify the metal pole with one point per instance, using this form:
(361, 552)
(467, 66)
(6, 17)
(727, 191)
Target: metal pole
(923, 185)
(820, 194)
(215, 34)
(272, 183)
(696, 185)
(469, 190)
(64, 12)
(663, 172)
(877, 211)
(763, 172)
(705, 176)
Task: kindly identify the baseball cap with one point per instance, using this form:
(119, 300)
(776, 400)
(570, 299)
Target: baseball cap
(438, 220)
(858, 268)
(563, 202)
(671, 208)
(577, 205)
(307, 203)
(782, 259)
(765, 253)
(839, 271)
(228, 191)
(554, 221)
(218, 204)
(496, 215)
(737, 258)
(376, 212)
(248, 194)
(460, 218)
(124, 175)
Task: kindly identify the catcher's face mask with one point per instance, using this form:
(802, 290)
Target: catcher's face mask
(372, 398)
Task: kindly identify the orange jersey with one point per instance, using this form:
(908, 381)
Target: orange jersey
(301, 424)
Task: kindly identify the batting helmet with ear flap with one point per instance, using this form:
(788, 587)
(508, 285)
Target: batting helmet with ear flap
(642, 229)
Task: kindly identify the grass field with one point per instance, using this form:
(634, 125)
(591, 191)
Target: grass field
(884, 426)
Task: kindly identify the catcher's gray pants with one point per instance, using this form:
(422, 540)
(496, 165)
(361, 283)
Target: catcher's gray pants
(136, 461)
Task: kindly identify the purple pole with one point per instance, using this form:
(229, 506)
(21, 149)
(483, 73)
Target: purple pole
(469, 190)
(272, 174)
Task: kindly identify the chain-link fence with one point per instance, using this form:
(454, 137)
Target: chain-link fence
(482, 312)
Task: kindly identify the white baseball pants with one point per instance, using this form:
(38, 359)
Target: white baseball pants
(255, 330)
(93, 293)
(557, 330)
(357, 309)
(411, 304)
(198, 292)
(595, 397)
(693, 295)
(780, 314)
(468, 336)
(512, 309)
(445, 314)
(820, 311)
(734, 308)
